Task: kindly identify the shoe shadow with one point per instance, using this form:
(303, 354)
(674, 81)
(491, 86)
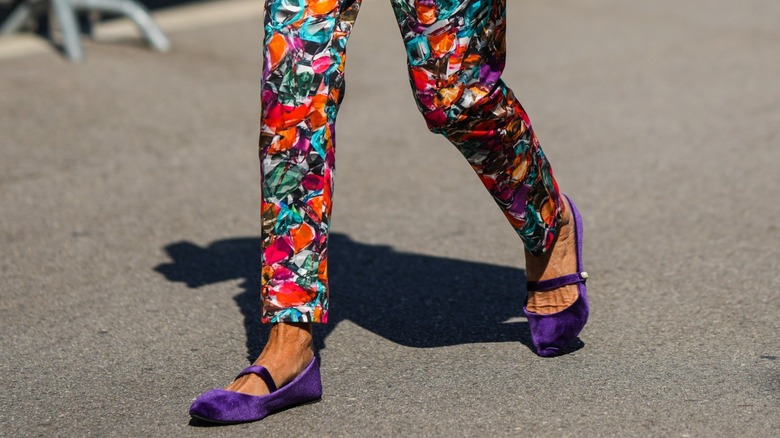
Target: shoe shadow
(411, 299)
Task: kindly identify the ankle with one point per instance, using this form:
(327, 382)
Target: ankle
(551, 263)
(289, 349)
(290, 337)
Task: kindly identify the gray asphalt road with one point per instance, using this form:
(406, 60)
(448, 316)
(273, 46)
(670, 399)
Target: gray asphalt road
(128, 226)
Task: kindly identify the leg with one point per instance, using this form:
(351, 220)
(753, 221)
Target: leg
(456, 54)
(303, 85)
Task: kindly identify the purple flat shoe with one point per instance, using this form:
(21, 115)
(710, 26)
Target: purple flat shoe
(229, 407)
(552, 333)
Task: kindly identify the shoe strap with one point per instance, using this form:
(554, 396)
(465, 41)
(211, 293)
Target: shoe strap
(263, 373)
(555, 283)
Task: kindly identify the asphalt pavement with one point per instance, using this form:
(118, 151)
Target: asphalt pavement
(129, 229)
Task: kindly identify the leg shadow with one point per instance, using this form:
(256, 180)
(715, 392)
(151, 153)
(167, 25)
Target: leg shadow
(411, 299)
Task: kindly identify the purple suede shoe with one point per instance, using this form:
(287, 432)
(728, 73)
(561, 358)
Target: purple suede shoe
(552, 333)
(228, 407)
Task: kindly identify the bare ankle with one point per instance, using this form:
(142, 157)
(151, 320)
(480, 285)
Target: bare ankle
(288, 342)
(291, 335)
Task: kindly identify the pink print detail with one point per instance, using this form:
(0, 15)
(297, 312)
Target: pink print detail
(278, 251)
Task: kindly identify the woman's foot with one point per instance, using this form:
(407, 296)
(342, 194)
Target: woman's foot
(287, 353)
(560, 260)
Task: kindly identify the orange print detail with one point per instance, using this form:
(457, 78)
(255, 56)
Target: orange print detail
(472, 59)
(426, 14)
(302, 236)
(322, 270)
(448, 95)
(521, 168)
(294, 115)
(291, 295)
(334, 95)
(516, 128)
(478, 92)
(279, 117)
(326, 196)
(548, 211)
(420, 78)
(315, 205)
(286, 140)
(321, 7)
(277, 49)
(269, 213)
(456, 58)
(442, 44)
(317, 115)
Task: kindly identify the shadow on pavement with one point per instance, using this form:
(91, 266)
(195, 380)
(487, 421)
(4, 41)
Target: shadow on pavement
(411, 299)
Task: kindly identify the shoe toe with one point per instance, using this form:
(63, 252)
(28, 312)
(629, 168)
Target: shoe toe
(552, 334)
(222, 406)
(549, 352)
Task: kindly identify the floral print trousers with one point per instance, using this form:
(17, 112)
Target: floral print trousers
(455, 54)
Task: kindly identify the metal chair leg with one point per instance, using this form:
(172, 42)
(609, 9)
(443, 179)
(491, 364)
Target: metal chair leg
(17, 14)
(64, 10)
(71, 35)
(135, 12)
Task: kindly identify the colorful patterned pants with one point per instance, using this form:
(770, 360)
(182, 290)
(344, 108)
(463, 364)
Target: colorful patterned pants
(455, 54)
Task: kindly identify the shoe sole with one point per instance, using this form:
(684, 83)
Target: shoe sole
(225, 423)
